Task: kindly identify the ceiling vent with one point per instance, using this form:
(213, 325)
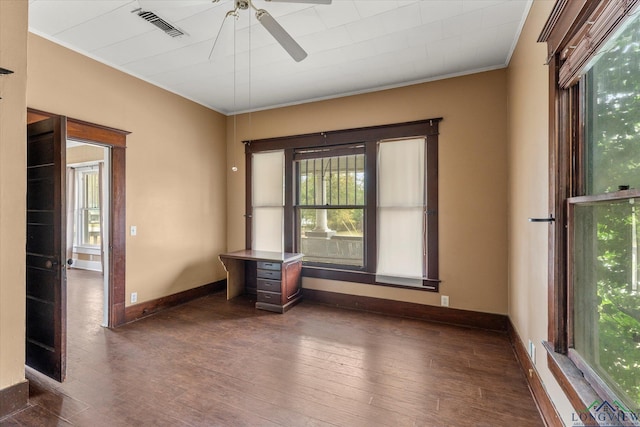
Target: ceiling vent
(168, 28)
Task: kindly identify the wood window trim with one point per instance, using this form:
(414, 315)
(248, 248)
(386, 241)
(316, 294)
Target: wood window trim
(117, 140)
(574, 32)
(369, 136)
(589, 38)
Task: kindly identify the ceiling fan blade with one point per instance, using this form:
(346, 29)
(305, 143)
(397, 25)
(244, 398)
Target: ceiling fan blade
(281, 35)
(302, 1)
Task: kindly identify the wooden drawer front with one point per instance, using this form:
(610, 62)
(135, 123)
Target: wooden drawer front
(264, 265)
(269, 274)
(269, 285)
(269, 297)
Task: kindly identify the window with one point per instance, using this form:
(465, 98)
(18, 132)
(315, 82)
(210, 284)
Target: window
(330, 205)
(360, 204)
(605, 297)
(594, 301)
(88, 207)
(401, 211)
(605, 294)
(268, 201)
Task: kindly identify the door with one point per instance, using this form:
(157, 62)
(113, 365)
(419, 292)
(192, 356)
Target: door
(46, 337)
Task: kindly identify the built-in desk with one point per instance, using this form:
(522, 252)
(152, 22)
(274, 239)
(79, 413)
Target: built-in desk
(273, 277)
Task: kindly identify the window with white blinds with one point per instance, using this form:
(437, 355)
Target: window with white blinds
(401, 211)
(267, 177)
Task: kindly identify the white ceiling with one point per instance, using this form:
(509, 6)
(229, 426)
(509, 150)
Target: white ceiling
(353, 46)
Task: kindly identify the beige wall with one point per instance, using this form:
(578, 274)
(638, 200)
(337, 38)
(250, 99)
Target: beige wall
(176, 189)
(13, 164)
(529, 194)
(473, 178)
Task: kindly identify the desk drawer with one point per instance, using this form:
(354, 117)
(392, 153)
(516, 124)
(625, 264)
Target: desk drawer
(269, 297)
(266, 265)
(269, 285)
(269, 274)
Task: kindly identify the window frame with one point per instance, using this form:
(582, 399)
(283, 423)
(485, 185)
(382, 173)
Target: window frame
(574, 32)
(369, 136)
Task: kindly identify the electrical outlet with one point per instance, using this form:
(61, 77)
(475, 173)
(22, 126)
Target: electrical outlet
(134, 230)
(134, 297)
(444, 300)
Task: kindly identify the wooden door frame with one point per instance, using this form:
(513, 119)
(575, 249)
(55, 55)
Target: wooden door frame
(116, 140)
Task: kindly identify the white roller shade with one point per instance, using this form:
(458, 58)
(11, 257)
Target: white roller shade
(268, 229)
(401, 173)
(401, 204)
(268, 179)
(267, 195)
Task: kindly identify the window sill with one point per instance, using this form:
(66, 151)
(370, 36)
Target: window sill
(577, 389)
(362, 277)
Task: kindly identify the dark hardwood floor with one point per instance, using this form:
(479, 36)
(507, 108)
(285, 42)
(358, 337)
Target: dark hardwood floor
(217, 363)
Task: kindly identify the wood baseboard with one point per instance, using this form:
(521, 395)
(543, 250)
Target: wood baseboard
(541, 398)
(14, 398)
(495, 322)
(147, 308)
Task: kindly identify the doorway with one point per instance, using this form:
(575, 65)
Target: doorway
(87, 242)
(47, 328)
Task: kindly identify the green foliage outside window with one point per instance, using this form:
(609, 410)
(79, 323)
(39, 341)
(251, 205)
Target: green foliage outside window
(607, 302)
(343, 181)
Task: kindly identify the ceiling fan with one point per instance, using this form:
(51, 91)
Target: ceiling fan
(264, 18)
(271, 25)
